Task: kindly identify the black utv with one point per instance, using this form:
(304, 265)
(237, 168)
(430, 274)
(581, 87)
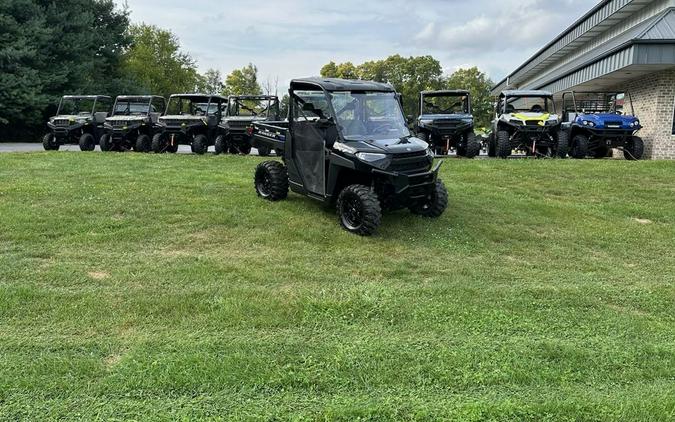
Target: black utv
(190, 119)
(346, 143)
(526, 121)
(79, 121)
(446, 123)
(133, 123)
(236, 135)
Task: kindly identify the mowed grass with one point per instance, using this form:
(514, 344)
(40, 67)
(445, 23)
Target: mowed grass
(151, 287)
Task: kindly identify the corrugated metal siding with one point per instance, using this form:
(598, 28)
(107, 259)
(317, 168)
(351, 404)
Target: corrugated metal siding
(664, 30)
(607, 65)
(655, 54)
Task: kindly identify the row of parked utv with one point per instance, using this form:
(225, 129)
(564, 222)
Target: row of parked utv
(591, 124)
(150, 124)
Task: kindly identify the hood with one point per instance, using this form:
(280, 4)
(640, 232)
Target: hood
(390, 146)
(187, 117)
(244, 118)
(533, 116)
(126, 119)
(602, 119)
(446, 116)
(73, 117)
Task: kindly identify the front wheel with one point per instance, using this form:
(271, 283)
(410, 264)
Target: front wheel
(435, 204)
(87, 142)
(271, 181)
(563, 144)
(221, 145)
(634, 149)
(158, 143)
(359, 210)
(503, 144)
(143, 143)
(472, 145)
(106, 143)
(48, 143)
(579, 147)
(200, 144)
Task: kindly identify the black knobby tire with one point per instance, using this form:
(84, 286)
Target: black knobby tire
(158, 144)
(87, 142)
(492, 146)
(563, 147)
(359, 210)
(143, 143)
(435, 205)
(579, 147)
(472, 145)
(271, 181)
(221, 144)
(634, 149)
(264, 151)
(106, 143)
(200, 144)
(503, 144)
(245, 149)
(48, 143)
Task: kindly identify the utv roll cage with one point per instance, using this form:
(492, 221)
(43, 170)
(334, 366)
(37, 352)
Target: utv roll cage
(197, 99)
(271, 111)
(95, 98)
(503, 102)
(446, 93)
(150, 99)
(594, 106)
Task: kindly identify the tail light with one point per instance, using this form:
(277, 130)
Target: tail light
(249, 130)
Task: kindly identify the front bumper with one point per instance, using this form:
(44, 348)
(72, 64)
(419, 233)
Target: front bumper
(414, 186)
(64, 132)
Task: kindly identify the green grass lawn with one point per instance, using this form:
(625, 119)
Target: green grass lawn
(160, 287)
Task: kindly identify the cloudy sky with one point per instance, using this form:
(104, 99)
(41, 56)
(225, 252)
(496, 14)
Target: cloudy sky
(295, 38)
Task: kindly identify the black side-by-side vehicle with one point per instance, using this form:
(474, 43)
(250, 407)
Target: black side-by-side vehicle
(79, 120)
(133, 123)
(190, 119)
(347, 143)
(242, 112)
(446, 122)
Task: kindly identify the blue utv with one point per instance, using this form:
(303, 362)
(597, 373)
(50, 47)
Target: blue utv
(596, 122)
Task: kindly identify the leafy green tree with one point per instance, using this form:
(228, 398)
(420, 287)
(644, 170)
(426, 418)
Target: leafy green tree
(51, 49)
(243, 81)
(211, 82)
(479, 84)
(156, 63)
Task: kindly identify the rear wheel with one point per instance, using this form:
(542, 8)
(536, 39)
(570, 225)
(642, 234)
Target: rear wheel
(563, 144)
(579, 147)
(87, 142)
(435, 204)
(200, 144)
(48, 143)
(492, 146)
(634, 149)
(503, 144)
(359, 210)
(158, 143)
(264, 151)
(472, 145)
(143, 143)
(271, 181)
(221, 145)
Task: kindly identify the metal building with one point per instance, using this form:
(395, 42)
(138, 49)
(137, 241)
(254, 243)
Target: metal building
(619, 45)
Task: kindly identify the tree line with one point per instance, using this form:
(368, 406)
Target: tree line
(91, 47)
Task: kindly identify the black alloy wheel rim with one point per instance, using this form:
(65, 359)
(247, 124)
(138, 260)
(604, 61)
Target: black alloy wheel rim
(352, 212)
(265, 185)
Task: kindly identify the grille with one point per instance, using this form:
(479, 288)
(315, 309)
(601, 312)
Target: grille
(239, 125)
(119, 123)
(532, 122)
(61, 122)
(176, 123)
(447, 124)
(410, 163)
(616, 124)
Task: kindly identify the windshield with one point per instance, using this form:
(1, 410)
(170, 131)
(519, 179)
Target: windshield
(369, 115)
(252, 107)
(596, 103)
(133, 107)
(191, 107)
(76, 106)
(445, 104)
(529, 105)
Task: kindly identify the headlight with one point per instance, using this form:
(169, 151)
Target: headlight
(370, 157)
(467, 120)
(587, 123)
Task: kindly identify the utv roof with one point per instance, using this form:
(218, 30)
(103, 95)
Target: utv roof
(141, 97)
(254, 97)
(447, 92)
(526, 93)
(331, 84)
(200, 96)
(87, 97)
